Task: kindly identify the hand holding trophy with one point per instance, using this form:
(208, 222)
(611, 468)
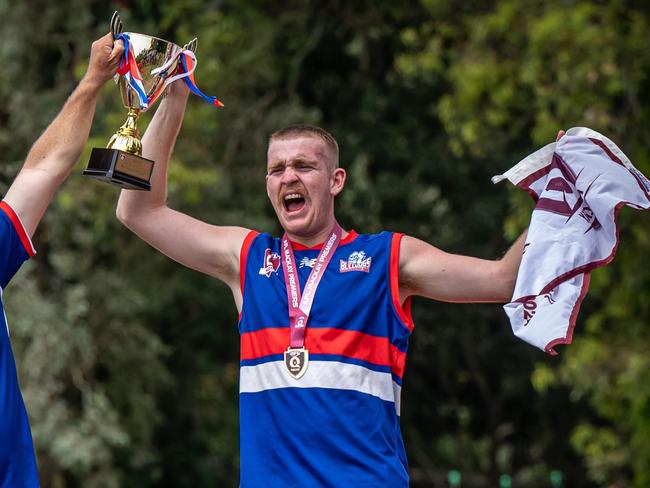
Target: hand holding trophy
(148, 66)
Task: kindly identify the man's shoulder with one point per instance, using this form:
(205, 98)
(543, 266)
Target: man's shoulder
(382, 234)
(260, 238)
(13, 230)
(378, 238)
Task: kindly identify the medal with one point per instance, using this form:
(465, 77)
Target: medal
(296, 357)
(296, 360)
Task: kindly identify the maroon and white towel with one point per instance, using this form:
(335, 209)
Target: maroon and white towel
(579, 184)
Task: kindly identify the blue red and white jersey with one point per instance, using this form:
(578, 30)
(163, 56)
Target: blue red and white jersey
(17, 460)
(338, 425)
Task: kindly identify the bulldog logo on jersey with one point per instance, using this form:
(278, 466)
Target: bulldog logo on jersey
(296, 360)
(271, 263)
(356, 262)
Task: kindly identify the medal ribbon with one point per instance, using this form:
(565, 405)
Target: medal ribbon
(128, 68)
(300, 306)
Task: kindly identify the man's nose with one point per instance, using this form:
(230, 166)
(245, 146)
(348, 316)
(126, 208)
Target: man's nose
(289, 175)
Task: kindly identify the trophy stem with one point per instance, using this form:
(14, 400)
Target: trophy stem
(127, 137)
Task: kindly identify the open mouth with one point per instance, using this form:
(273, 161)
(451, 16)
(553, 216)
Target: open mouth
(293, 202)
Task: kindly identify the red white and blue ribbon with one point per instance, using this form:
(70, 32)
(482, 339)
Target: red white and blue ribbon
(128, 68)
(184, 70)
(188, 65)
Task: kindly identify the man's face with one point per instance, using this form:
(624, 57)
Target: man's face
(301, 183)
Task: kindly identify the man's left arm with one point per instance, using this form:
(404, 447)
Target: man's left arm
(53, 155)
(427, 271)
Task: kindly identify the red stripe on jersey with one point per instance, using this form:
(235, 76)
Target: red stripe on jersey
(403, 310)
(20, 230)
(349, 343)
(243, 256)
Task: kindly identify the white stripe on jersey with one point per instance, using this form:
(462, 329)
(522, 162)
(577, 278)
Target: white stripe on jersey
(321, 374)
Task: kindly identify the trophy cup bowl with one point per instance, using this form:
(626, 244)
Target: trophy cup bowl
(121, 162)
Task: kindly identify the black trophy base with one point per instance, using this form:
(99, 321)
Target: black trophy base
(120, 169)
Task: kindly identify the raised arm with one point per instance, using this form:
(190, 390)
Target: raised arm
(211, 249)
(427, 271)
(53, 155)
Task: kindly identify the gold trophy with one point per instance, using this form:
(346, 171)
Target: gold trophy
(121, 162)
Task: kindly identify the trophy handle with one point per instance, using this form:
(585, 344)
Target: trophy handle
(116, 25)
(116, 30)
(192, 45)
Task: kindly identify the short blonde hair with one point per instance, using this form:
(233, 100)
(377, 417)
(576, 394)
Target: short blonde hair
(308, 130)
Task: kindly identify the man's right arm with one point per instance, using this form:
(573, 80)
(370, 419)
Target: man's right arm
(211, 249)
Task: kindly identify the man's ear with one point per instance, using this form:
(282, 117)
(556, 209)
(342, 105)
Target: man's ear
(337, 181)
(266, 181)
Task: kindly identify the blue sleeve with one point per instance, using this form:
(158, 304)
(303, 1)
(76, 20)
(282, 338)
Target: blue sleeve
(15, 246)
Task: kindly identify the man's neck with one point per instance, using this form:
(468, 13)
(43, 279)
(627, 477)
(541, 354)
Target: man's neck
(315, 239)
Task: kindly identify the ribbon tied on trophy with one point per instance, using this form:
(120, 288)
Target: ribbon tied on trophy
(180, 66)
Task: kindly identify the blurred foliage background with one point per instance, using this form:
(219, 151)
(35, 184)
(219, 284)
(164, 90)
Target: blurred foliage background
(129, 363)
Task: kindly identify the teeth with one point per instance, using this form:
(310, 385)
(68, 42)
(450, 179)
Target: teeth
(291, 196)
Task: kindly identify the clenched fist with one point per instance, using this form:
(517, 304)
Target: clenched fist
(105, 54)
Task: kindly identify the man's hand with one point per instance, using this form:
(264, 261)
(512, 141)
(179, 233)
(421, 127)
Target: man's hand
(105, 54)
(178, 89)
(560, 135)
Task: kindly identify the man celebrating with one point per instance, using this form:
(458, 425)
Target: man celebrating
(48, 164)
(324, 312)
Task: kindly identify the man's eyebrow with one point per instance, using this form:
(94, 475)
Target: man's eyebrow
(274, 164)
(304, 160)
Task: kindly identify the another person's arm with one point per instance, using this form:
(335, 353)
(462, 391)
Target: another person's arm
(53, 155)
(211, 249)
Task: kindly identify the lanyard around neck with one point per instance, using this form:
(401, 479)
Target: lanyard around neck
(300, 306)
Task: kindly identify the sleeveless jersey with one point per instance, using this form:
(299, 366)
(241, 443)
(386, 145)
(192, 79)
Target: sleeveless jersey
(338, 425)
(17, 460)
